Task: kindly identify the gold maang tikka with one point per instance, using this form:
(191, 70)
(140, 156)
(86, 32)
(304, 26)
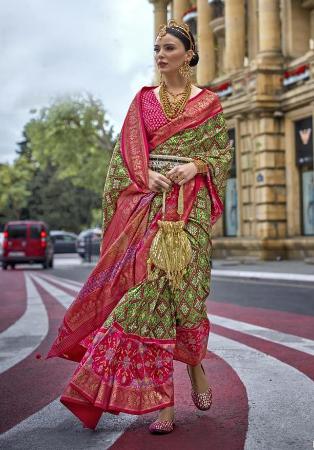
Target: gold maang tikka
(183, 28)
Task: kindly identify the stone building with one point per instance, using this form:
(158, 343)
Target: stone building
(258, 55)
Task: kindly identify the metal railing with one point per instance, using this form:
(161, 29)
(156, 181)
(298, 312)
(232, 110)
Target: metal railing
(92, 244)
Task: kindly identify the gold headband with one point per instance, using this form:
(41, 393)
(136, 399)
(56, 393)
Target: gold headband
(184, 29)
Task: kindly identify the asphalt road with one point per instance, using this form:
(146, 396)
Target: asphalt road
(260, 363)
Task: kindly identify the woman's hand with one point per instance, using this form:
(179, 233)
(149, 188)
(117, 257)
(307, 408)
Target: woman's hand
(158, 182)
(183, 173)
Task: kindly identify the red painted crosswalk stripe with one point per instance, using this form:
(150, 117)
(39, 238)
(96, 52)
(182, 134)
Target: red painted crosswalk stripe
(12, 298)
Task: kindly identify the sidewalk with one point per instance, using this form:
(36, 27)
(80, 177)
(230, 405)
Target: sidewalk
(271, 270)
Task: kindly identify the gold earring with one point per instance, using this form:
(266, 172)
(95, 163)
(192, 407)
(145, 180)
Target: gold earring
(161, 78)
(186, 71)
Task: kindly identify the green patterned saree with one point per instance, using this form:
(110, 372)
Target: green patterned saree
(124, 329)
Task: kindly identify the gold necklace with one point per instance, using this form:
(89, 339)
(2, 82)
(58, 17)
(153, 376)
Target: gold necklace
(175, 95)
(172, 108)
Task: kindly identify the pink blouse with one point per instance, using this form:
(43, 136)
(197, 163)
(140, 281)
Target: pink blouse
(153, 115)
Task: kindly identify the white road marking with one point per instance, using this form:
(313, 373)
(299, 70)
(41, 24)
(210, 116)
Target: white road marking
(61, 296)
(278, 337)
(268, 283)
(55, 427)
(69, 261)
(19, 340)
(281, 407)
(263, 275)
(63, 282)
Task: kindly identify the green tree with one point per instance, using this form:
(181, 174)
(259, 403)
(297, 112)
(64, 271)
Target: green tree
(73, 135)
(14, 194)
(61, 204)
(59, 173)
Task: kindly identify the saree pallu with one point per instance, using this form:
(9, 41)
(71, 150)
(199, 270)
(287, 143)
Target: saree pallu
(124, 330)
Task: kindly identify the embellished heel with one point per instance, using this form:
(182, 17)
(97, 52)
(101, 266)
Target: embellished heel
(203, 400)
(161, 426)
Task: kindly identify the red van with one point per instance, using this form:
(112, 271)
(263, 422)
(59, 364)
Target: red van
(26, 241)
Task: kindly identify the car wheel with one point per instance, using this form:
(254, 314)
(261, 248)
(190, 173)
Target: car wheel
(12, 266)
(45, 264)
(4, 266)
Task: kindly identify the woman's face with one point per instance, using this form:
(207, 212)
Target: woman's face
(170, 53)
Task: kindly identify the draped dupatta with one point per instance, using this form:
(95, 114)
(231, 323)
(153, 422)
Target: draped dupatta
(127, 231)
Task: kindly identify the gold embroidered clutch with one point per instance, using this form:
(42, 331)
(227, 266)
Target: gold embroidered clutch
(163, 163)
(170, 250)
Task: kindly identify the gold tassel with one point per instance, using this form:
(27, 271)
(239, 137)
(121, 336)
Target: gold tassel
(180, 201)
(164, 203)
(171, 248)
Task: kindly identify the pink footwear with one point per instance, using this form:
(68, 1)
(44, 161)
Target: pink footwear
(161, 426)
(203, 400)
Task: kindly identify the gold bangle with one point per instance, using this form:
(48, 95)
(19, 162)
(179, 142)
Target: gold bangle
(201, 166)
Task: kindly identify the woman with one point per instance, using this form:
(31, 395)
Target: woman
(131, 319)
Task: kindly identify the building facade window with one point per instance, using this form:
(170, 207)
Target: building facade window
(304, 162)
(231, 199)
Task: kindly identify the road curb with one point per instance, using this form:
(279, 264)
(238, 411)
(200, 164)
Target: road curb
(263, 275)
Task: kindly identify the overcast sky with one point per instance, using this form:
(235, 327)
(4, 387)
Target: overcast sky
(50, 48)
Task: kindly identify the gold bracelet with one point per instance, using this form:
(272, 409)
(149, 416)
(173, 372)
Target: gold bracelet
(201, 166)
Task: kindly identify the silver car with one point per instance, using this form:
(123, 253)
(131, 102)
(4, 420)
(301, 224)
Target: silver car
(88, 242)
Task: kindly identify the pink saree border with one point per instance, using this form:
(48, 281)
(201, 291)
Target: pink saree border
(65, 400)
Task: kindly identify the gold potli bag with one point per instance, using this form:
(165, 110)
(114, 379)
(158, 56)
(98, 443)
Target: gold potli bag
(171, 249)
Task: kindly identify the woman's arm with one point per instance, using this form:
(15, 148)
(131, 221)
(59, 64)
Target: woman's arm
(212, 157)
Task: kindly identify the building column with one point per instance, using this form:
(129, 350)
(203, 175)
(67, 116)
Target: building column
(269, 29)
(312, 24)
(309, 5)
(160, 13)
(235, 34)
(205, 41)
(160, 18)
(179, 8)
(217, 24)
(252, 28)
